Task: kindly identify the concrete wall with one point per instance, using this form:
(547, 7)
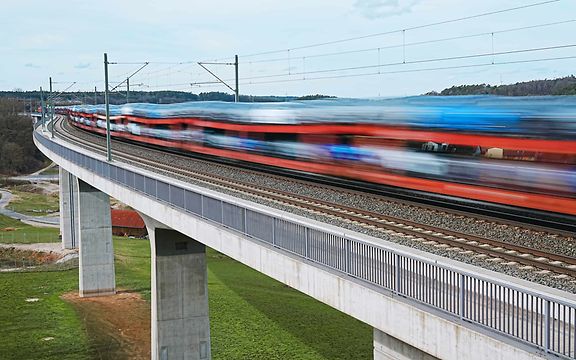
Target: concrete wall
(387, 347)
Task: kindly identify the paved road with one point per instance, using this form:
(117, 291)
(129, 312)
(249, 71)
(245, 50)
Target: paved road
(39, 220)
(36, 178)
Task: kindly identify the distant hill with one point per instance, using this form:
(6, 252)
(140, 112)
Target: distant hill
(560, 86)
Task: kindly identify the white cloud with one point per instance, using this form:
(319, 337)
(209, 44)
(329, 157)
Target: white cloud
(82, 66)
(373, 9)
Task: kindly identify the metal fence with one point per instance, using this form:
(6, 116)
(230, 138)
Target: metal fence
(533, 318)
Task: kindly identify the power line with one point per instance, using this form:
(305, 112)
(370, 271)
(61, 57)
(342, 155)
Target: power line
(134, 73)
(414, 43)
(303, 58)
(415, 70)
(461, 57)
(403, 30)
(452, 67)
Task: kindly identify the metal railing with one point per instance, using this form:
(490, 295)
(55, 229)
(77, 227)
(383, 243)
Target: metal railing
(536, 319)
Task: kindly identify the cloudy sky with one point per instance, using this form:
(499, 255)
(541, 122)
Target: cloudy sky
(67, 39)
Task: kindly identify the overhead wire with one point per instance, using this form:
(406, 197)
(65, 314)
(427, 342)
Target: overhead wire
(443, 22)
(182, 66)
(417, 43)
(410, 62)
(415, 70)
(404, 45)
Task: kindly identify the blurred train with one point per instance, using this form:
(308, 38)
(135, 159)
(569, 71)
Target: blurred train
(514, 151)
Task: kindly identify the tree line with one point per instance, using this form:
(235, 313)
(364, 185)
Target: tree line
(18, 154)
(560, 86)
(31, 99)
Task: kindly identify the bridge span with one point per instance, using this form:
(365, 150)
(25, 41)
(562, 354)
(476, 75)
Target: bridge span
(421, 306)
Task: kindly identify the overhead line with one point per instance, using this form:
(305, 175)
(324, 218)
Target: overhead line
(403, 29)
(509, 52)
(413, 43)
(414, 70)
(386, 72)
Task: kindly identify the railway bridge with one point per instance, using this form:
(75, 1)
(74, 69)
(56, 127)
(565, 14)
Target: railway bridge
(421, 306)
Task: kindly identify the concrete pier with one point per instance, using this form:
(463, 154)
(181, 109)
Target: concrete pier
(180, 322)
(387, 347)
(69, 229)
(96, 250)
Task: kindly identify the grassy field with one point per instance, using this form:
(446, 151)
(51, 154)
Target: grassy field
(13, 231)
(252, 316)
(255, 317)
(30, 203)
(45, 329)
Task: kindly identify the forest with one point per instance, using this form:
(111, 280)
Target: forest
(18, 154)
(560, 86)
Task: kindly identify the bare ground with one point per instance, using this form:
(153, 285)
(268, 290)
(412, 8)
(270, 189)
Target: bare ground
(118, 326)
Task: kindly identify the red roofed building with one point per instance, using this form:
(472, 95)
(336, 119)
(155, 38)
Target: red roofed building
(127, 223)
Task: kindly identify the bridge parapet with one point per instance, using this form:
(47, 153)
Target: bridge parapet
(538, 317)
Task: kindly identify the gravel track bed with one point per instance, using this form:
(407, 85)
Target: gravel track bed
(470, 225)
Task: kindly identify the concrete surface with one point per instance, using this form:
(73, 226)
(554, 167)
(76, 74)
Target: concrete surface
(180, 322)
(387, 347)
(69, 227)
(96, 250)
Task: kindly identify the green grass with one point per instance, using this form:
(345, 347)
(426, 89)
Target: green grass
(251, 315)
(24, 233)
(54, 170)
(132, 261)
(255, 317)
(30, 203)
(24, 325)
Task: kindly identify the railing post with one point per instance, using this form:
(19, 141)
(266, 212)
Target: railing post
(347, 266)
(245, 221)
(274, 231)
(462, 295)
(547, 329)
(306, 242)
(397, 273)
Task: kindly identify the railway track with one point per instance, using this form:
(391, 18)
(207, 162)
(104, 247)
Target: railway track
(559, 266)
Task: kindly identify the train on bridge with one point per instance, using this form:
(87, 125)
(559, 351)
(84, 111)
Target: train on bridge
(519, 152)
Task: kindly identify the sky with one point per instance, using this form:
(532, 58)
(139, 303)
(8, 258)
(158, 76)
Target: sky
(66, 40)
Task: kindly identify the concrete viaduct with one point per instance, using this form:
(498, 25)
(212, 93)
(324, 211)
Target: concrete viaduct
(421, 306)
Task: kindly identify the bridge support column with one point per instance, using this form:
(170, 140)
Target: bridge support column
(387, 347)
(180, 321)
(68, 210)
(96, 251)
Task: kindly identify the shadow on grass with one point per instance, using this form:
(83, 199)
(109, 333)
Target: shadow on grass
(329, 332)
